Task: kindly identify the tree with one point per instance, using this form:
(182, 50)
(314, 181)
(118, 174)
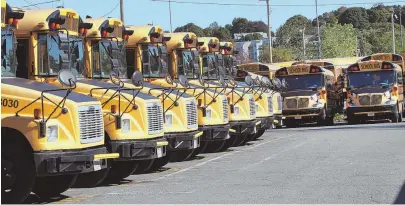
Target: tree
(222, 34)
(239, 25)
(339, 41)
(357, 16)
(279, 55)
(190, 27)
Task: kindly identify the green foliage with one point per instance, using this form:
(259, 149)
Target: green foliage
(338, 41)
(357, 16)
(190, 27)
(279, 55)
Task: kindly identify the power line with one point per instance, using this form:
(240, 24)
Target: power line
(30, 3)
(112, 9)
(45, 2)
(278, 5)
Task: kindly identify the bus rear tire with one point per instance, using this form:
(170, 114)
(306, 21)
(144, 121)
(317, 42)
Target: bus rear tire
(18, 167)
(51, 186)
(92, 179)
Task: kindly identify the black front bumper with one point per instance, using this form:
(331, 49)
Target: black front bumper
(215, 132)
(265, 123)
(311, 114)
(138, 149)
(243, 127)
(372, 112)
(51, 163)
(182, 141)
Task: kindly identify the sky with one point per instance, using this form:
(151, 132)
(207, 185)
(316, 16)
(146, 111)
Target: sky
(142, 12)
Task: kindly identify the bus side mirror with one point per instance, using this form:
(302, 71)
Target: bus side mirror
(137, 79)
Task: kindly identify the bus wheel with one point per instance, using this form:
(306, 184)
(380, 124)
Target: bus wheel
(17, 173)
(395, 117)
(143, 166)
(259, 134)
(48, 187)
(240, 140)
(120, 170)
(180, 155)
(92, 179)
(215, 146)
(160, 162)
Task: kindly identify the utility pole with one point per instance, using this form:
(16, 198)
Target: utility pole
(319, 32)
(170, 16)
(269, 34)
(400, 26)
(393, 31)
(122, 10)
(303, 42)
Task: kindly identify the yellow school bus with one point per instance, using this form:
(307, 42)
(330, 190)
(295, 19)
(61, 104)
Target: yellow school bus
(261, 69)
(375, 91)
(146, 53)
(54, 40)
(390, 57)
(242, 106)
(308, 95)
(212, 104)
(49, 134)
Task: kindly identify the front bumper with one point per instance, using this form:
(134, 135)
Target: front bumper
(51, 163)
(183, 140)
(372, 112)
(265, 123)
(215, 132)
(139, 149)
(302, 114)
(243, 127)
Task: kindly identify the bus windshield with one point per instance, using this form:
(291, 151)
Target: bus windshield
(77, 57)
(302, 82)
(210, 65)
(8, 55)
(371, 79)
(49, 52)
(154, 61)
(187, 63)
(103, 52)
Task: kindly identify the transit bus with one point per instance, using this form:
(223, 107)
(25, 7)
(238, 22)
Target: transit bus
(242, 105)
(307, 97)
(375, 91)
(265, 70)
(146, 53)
(49, 133)
(390, 57)
(54, 40)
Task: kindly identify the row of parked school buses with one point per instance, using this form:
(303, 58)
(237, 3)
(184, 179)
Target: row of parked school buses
(89, 100)
(316, 91)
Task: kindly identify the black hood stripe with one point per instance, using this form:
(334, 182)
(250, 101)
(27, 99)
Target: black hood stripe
(40, 87)
(102, 84)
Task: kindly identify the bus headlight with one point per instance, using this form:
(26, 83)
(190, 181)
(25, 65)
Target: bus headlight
(208, 114)
(125, 125)
(169, 119)
(387, 94)
(52, 133)
(314, 97)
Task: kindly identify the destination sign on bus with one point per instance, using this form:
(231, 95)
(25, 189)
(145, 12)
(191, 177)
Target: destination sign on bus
(298, 69)
(370, 66)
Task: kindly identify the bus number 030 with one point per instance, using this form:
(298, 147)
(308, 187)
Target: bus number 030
(9, 103)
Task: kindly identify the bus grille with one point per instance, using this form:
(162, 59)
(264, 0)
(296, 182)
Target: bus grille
(291, 103)
(370, 99)
(91, 124)
(303, 102)
(252, 105)
(191, 109)
(155, 118)
(270, 104)
(225, 109)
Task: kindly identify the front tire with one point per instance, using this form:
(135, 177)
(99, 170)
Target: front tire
(259, 134)
(48, 187)
(92, 179)
(18, 172)
(180, 155)
(120, 170)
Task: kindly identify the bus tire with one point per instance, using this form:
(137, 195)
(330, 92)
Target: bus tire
(240, 140)
(17, 165)
(215, 146)
(160, 162)
(120, 170)
(396, 115)
(143, 166)
(180, 155)
(51, 186)
(92, 179)
(259, 134)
